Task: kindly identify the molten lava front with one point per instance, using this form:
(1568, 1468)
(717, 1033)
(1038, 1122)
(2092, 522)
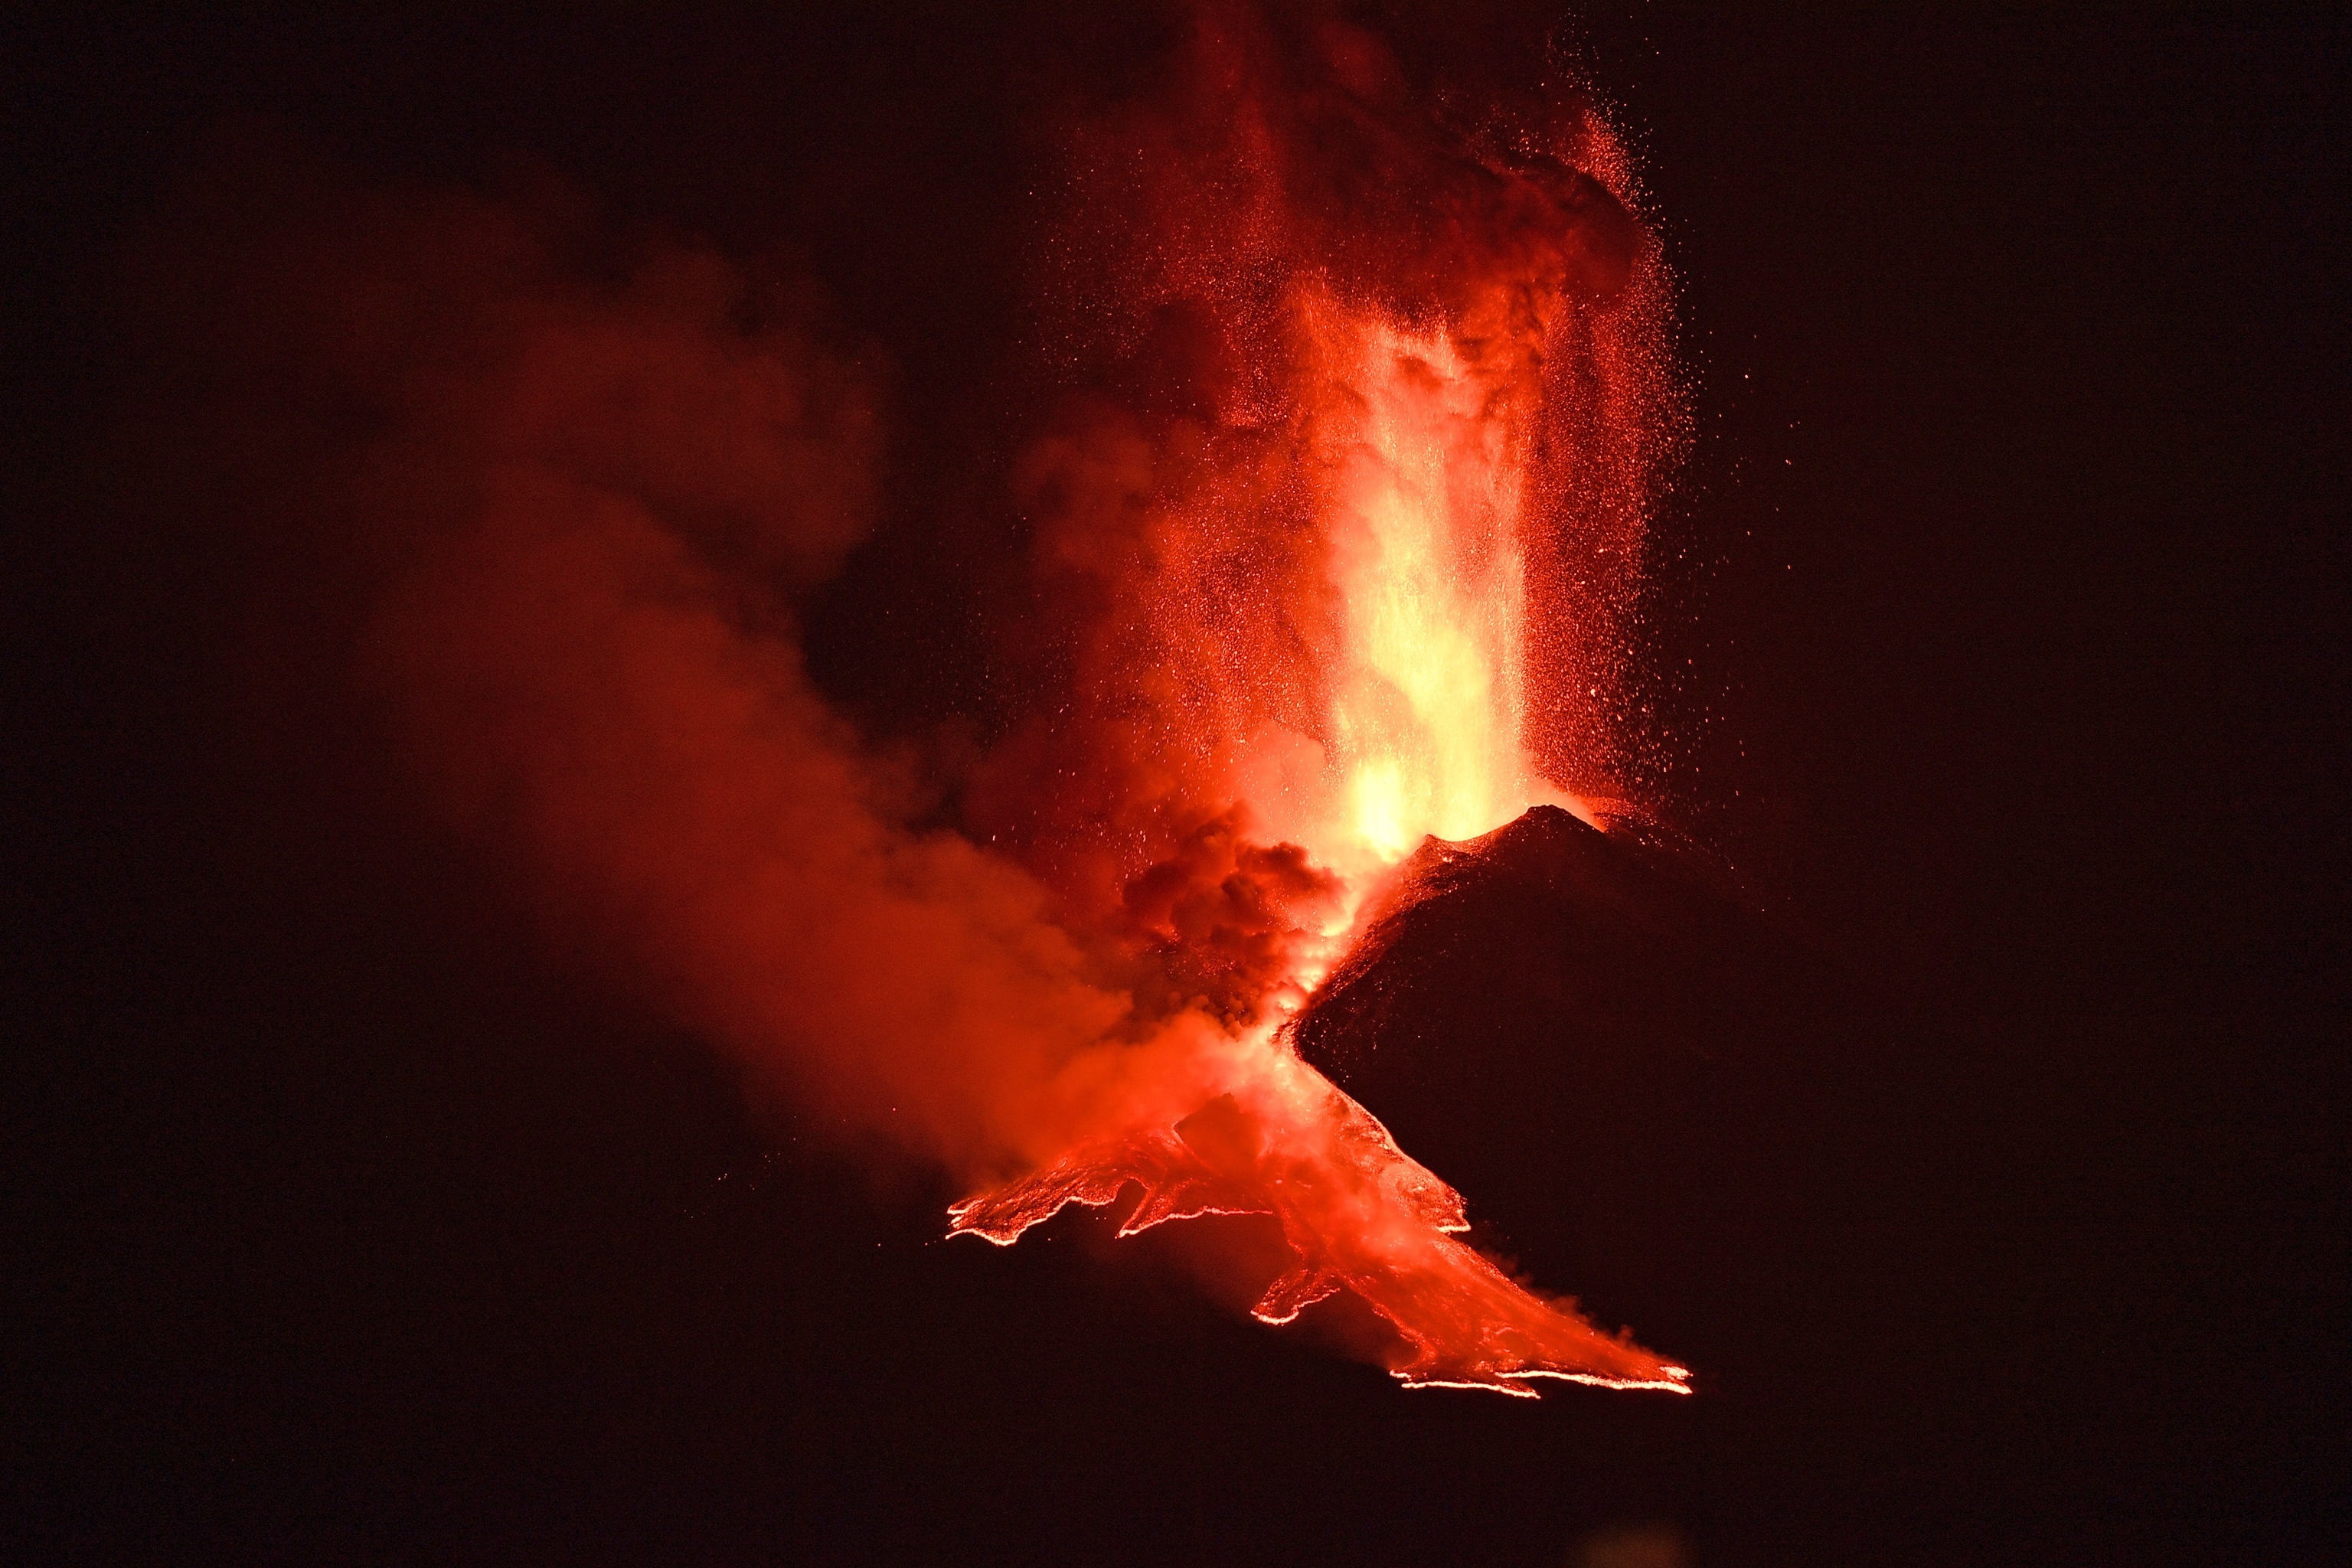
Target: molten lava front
(1356, 1211)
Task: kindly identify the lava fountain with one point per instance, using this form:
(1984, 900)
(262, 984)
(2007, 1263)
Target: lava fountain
(1395, 313)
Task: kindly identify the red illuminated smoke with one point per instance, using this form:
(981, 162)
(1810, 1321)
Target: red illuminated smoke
(1336, 527)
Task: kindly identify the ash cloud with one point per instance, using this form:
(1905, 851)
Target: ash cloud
(578, 480)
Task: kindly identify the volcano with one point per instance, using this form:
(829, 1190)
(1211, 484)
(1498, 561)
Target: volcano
(1574, 1025)
(1530, 955)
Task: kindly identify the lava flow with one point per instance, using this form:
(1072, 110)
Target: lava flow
(1329, 544)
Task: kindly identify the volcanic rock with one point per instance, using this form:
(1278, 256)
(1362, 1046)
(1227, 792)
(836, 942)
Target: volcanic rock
(1578, 1031)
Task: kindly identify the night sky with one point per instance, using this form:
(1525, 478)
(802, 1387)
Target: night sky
(1996, 629)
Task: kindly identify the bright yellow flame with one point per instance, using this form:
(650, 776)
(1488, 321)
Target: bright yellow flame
(1426, 705)
(1376, 807)
(1422, 461)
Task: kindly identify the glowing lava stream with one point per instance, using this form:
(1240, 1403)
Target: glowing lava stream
(1357, 1213)
(1424, 725)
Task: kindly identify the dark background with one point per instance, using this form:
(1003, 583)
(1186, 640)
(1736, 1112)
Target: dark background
(2007, 578)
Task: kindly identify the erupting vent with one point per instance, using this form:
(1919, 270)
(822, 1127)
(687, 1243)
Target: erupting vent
(1331, 543)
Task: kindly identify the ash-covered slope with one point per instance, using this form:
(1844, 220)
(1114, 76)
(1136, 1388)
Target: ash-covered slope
(1593, 1045)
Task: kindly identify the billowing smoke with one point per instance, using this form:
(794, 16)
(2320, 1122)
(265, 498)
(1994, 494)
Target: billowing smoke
(588, 477)
(1342, 503)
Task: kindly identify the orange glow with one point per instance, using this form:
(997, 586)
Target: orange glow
(1330, 547)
